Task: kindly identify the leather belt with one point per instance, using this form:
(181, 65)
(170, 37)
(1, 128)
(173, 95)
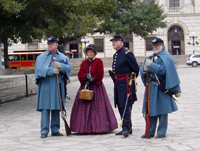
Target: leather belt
(161, 80)
(116, 77)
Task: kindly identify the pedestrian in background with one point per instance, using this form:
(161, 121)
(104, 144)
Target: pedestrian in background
(94, 116)
(164, 82)
(124, 64)
(48, 101)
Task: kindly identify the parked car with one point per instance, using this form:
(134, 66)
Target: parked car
(193, 60)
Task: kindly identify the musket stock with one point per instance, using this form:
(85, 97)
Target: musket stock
(63, 112)
(147, 107)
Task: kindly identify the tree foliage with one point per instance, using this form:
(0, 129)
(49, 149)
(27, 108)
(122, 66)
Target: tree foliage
(26, 20)
(136, 17)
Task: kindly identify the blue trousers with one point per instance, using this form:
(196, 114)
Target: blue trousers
(45, 119)
(127, 125)
(162, 126)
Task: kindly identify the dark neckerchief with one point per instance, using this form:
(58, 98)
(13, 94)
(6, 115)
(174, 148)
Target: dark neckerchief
(88, 66)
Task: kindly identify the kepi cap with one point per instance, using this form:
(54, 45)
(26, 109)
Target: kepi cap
(52, 39)
(90, 46)
(119, 38)
(157, 40)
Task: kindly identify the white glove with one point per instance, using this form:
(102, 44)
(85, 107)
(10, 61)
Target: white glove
(178, 94)
(145, 68)
(56, 71)
(148, 62)
(57, 65)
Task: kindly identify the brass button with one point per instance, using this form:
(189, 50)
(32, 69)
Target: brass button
(114, 62)
(114, 69)
(50, 77)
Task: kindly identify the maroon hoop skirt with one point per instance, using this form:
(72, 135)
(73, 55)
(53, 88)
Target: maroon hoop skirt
(94, 116)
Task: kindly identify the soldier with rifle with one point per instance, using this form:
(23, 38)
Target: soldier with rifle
(160, 77)
(124, 70)
(52, 69)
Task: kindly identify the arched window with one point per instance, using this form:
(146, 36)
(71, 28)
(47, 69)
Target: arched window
(174, 3)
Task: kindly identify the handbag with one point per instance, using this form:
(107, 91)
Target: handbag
(86, 94)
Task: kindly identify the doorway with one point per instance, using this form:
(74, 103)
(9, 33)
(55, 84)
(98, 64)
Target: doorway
(176, 47)
(74, 49)
(176, 44)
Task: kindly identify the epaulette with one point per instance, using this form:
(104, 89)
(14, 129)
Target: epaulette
(127, 52)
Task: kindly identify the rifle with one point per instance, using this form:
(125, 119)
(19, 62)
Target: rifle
(63, 111)
(127, 98)
(147, 107)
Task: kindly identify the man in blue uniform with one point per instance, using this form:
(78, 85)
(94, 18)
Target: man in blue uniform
(164, 82)
(48, 101)
(124, 64)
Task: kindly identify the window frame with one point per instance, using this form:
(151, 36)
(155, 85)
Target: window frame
(100, 48)
(174, 3)
(25, 57)
(148, 43)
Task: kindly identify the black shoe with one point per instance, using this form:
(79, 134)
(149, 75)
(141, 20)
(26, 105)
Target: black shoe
(43, 135)
(160, 136)
(125, 133)
(57, 134)
(120, 133)
(143, 136)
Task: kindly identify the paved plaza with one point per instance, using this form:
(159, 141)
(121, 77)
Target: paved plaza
(20, 123)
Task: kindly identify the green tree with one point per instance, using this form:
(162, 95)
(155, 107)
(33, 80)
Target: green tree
(135, 17)
(25, 20)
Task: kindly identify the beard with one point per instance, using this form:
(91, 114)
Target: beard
(156, 51)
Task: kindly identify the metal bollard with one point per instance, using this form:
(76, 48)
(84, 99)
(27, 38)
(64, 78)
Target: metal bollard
(26, 85)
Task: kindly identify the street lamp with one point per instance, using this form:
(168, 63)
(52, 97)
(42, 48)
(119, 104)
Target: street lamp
(193, 36)
(85, 40)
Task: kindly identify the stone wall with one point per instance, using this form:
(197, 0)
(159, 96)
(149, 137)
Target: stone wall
(12, 81)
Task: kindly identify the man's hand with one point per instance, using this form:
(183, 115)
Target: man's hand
(178, 94)
(147, 65)
(56, 71)
(148, 62)
(57, 65)
(145, 69)
(111, 74)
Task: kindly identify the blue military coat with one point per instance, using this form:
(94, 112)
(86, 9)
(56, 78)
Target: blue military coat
(164, 68)
(48, 94)
(124, 62)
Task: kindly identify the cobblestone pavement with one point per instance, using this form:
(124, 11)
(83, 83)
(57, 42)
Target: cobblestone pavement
(20, 123)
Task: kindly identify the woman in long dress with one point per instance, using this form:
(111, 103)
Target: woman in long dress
(95, 116)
